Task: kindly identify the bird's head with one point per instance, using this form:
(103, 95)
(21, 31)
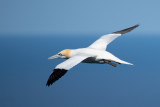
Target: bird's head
(63, 54)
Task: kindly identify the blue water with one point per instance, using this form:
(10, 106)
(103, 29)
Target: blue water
(25, 69)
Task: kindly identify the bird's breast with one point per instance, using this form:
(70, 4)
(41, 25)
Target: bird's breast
(94, 56)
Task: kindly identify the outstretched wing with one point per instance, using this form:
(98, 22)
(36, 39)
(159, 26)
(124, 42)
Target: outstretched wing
(102, 42)
(63, 67)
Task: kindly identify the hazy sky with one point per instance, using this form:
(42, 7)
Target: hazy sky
(77, 16)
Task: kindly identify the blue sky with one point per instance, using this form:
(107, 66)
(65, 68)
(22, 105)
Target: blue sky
(77, 16)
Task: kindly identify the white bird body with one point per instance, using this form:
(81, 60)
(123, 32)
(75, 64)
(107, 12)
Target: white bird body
(96, 56)
(95, 53)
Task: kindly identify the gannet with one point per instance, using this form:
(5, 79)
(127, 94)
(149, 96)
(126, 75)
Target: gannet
(95, 53)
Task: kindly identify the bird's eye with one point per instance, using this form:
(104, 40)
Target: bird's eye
(60, 54)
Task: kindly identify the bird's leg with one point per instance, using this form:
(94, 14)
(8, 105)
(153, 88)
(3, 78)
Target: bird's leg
(110, 63)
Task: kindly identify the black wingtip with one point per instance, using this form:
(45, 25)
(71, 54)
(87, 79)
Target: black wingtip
(126, 30)
(56, 74)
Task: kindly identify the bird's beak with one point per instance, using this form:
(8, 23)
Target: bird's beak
(54, 56)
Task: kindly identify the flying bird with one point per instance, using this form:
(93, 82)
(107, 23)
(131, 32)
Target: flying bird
(95, 53)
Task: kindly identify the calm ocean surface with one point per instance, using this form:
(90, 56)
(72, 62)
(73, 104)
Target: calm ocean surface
(25, 69)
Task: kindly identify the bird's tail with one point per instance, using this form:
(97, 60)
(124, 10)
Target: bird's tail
(124, 62)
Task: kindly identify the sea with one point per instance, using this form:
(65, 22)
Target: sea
(25, 68)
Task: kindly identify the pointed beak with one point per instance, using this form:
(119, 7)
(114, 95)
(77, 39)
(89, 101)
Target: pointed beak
(54, 56)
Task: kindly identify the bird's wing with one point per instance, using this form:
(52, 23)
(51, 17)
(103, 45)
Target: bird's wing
(102, 42)
(63, 67)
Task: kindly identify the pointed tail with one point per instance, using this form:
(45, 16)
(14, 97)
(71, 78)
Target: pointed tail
(124, 62)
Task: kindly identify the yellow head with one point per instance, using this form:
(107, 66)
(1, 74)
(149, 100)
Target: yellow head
(63, 54)
(66, 53)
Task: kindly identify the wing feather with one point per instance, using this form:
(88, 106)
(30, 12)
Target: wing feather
(102, 42)
(63, 67)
